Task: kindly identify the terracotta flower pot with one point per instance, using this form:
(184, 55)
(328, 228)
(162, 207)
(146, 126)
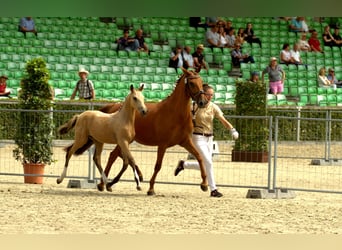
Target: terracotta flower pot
(32, 168)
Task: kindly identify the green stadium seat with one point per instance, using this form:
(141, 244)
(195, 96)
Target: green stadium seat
(106, 69)
(117, 69)
(122, 54)
(141, 70)
(126, 78)
(303, 100)
(140, 62)
(160, 71)
(152, 62)
(271, 99)
(87, 60)
(60, 67)
(127, 70)
(71, 44)
(95, 68)
(136, 78)
(148, 70)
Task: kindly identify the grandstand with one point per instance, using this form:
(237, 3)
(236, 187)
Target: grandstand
(68, 43)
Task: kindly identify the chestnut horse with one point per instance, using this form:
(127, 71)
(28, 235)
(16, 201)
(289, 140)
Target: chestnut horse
(168, 123)
(96, 127)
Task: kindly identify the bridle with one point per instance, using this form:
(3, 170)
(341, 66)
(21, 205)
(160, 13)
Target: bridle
(194, 96)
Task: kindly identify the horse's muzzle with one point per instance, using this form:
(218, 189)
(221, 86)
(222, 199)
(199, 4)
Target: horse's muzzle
(143, 112)
(201, 103)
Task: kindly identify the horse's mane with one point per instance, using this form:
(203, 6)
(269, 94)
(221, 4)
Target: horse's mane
(194, 75)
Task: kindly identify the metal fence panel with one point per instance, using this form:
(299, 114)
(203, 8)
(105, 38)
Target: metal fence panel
(313, 164)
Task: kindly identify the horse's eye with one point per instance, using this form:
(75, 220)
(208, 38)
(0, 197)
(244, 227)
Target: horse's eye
(134, 98)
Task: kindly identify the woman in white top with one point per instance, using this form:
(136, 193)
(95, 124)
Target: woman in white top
(285, 55)
(303, 43)
(323, 81)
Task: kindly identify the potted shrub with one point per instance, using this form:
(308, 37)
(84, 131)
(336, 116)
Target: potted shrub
(33, 135)
(252, 145)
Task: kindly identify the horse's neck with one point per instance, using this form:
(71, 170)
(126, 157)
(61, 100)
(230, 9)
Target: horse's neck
(127, 112)
(179, 100)
(180, 96)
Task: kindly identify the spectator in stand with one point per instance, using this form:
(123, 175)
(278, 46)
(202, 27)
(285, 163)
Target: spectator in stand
(127, 43)
(276, 76)
(139, 35)
(298, 25)
(212, 37)
(197, 22)
(231, 39)
(285, 54)
(176, 58)
(323, 80)
(3, 86)
(337, 38)
(188, 61)
(240, 36)
(327, 37)
(229, 25)
(314, 42)
(332, 78)
(254, 77)
(295, 55)
(211, 21)
(238, 57)
(198, 57)
(249, 35)
(303, 43)
(223, 37)
(26, 24)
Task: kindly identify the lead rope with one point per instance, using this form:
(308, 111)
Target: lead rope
(193, 112)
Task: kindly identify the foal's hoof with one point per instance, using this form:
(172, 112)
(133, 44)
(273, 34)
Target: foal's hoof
(109, 188)
(138, 188)
(100, 187)
(151, 192)
(204, 187)
(58, 181)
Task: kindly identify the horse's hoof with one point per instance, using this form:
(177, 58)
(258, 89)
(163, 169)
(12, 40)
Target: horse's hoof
(100, 187)
(204, 187)
(138, 188)
(151, 192)
(109, 188)
(58, 181)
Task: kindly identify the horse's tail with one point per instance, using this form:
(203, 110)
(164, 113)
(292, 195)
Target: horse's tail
(65, 128)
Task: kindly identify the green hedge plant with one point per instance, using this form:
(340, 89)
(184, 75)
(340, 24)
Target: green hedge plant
(33, 135)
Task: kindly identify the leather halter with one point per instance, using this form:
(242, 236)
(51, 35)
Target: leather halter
(196, 95)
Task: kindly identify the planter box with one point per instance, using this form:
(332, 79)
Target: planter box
(36, 169)
(248, 156)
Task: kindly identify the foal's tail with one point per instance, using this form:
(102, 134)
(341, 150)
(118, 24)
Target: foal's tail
(65, 128)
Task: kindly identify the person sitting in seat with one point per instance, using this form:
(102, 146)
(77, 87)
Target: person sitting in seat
(3, 86)
(27, 24)
(128, 43)
(238, 57)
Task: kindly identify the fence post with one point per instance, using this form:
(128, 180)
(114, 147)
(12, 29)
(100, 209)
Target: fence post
(298, 123)
(327, 135)
(276, 130)
(270, 152)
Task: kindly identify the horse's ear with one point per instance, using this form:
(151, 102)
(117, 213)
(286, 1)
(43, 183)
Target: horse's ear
(141, 87)
(131, 88)
(185, 71)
